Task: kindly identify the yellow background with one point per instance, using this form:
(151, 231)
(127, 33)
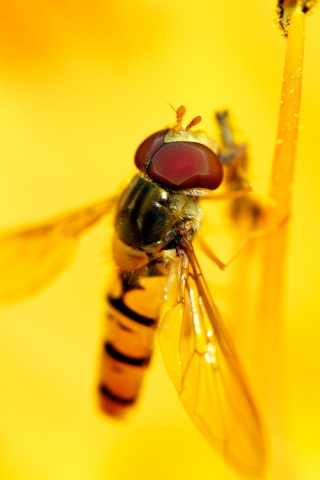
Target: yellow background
(80, 86)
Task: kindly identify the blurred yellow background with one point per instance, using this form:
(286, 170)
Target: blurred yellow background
(81, 87)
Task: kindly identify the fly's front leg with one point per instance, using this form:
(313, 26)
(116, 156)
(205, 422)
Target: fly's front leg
(234, 156)
(245, 211)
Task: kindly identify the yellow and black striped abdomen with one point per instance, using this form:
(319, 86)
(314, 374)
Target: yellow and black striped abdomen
(145, 224)
(131, 321)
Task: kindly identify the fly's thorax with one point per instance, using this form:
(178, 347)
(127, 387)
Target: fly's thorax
(148, 215)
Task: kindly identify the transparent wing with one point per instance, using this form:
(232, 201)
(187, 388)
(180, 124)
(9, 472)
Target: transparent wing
(32, 256)
(204, 367)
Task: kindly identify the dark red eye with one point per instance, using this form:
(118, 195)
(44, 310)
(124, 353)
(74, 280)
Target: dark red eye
(186, 165)
(179, 165)
(148, 148)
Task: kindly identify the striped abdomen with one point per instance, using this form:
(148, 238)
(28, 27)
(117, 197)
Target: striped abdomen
(144, 238)
(130, 327)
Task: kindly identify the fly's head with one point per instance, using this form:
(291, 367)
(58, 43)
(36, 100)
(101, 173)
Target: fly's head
(180, 158)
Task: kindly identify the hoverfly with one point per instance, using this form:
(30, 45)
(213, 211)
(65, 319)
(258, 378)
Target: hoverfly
(157, 274)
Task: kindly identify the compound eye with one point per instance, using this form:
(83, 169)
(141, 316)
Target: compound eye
(148, 148)
(182, 165)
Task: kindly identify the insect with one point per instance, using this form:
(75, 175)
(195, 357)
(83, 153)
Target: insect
(157, 274)
(235, 158)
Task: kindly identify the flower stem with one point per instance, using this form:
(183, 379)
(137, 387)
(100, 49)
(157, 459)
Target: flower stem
(277, 214)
